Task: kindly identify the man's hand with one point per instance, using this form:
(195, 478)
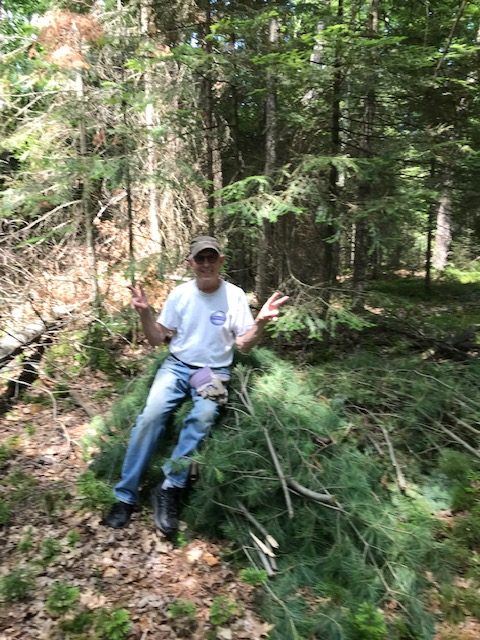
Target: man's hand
(139, 300)
(271, 308)
(267, 313)
(154, 331)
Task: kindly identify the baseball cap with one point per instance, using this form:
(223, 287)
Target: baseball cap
(200, 243)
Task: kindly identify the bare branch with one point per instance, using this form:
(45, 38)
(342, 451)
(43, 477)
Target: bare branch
(401, 482)
(280, 473)
(257, 524)
(44, 217)
(464, 444)
(326, 498)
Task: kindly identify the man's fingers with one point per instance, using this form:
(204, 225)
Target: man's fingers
(278, 303)
(283, 300)
(136, 290)
(274, 299)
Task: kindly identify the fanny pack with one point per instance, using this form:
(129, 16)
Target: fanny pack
(210, 385)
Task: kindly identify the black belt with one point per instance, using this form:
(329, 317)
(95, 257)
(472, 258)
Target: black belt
(192, 366)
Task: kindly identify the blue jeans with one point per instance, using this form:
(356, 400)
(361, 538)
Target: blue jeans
(170, 387)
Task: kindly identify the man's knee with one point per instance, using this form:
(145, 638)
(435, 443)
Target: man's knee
(207, 412)
(147, 425)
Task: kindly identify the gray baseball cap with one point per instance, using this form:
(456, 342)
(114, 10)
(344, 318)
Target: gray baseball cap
(200, 243)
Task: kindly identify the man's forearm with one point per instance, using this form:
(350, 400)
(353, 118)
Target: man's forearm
(154, 332)
(252, 337)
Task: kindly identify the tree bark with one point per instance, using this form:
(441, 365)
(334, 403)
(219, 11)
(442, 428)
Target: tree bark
(213, 164)
(239, 162)
(85, 198)
(147, 28)
(428, 254)
(360, 261)
(128, 186)
(331, 248)
(265, 262)
(443, 233)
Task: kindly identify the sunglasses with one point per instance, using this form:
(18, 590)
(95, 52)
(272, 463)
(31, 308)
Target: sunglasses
(211, 258)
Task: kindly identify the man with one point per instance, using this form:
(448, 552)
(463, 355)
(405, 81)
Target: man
(205, 318)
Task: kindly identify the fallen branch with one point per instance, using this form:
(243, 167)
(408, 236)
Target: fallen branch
(80, 402)
(14, 343)
(243, 394)
(266, 550)
(280, 473)
(266, 565)
(464, 444)
(401, 482)
(464, 424)
(326, 498)
(455, 347)
(28, 374)
(376, 445)
(264, 560)
(270, 539)
(44, 217)
(270, 542)
(21, 383)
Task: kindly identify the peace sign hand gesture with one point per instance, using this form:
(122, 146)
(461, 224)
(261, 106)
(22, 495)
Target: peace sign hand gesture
(271, 308)
(139, 299)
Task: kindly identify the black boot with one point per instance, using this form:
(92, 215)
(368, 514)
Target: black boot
(165, 509)
(119, 515)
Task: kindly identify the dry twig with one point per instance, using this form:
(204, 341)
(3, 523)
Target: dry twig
(326, 498)
(270, 539)
(460, 441)
(280, 473)
(401, 482)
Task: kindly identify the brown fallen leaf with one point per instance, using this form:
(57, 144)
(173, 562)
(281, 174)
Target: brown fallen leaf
(92, 600)
(194, 554)
(36, 408)
(255, 627)
(210, 559)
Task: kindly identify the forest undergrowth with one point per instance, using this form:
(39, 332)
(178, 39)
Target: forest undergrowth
(342, 482)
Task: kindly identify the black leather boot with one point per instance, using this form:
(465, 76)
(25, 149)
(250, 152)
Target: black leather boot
(119, 515)
(165, 509)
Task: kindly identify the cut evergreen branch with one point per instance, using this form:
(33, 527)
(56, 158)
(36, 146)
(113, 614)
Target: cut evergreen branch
(313, 495)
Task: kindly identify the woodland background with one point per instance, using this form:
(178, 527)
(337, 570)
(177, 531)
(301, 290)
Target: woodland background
(333, 148)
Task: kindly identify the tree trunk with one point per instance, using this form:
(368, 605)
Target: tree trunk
(128, 190)
(239, 162)
(428, 256)
(85, 199)
(211, 157)
(326, 251)
(443, 233)
(266, 263)
(331, 248)
(147, 28)
(360, 262)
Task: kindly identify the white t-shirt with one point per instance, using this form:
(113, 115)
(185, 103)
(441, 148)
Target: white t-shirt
(206, 324)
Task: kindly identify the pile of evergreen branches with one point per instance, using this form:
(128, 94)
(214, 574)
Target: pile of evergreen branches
(312, 459)
(338, 561)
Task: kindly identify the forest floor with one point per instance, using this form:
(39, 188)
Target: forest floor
(54, 541)
(63, 575)
(53, 544)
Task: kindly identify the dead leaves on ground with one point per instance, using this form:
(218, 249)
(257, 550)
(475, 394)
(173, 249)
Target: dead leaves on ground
(135, 568)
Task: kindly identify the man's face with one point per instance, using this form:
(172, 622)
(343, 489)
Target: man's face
(206, 266)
